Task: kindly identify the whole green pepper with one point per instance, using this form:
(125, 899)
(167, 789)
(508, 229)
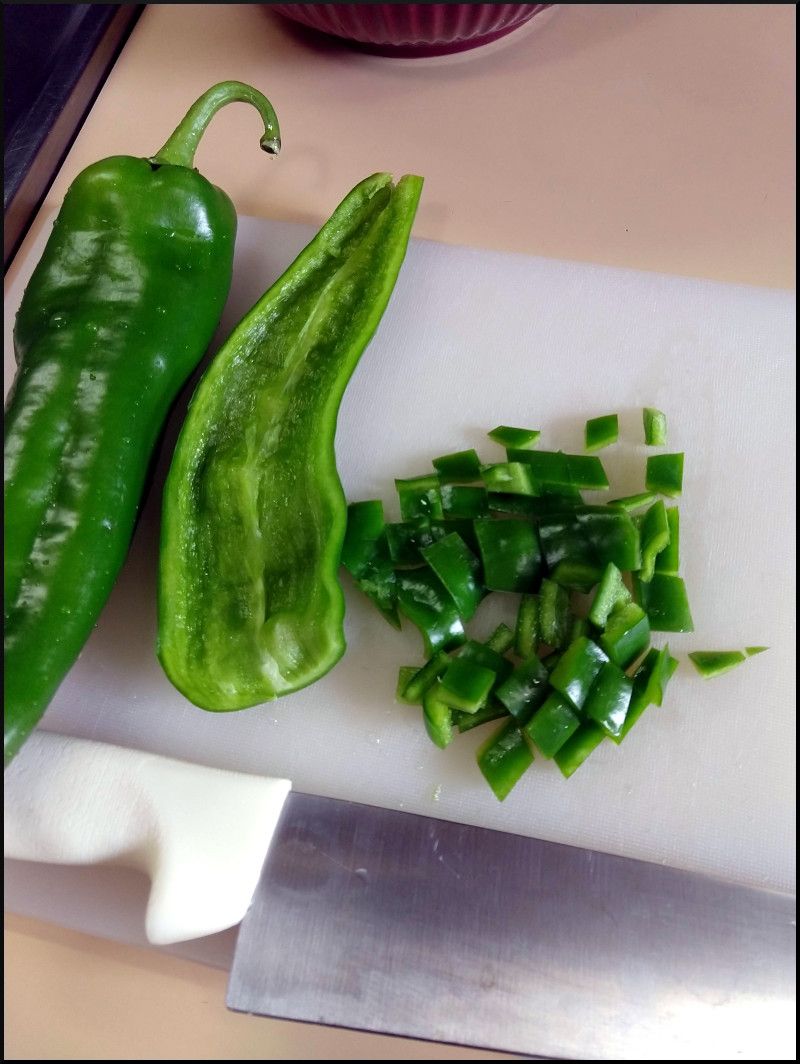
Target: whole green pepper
(254, 515)
(117, 314)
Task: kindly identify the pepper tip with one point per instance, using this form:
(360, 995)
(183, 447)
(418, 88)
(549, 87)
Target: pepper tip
(271, 145)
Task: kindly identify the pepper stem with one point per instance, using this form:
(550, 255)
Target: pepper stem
(182, 145)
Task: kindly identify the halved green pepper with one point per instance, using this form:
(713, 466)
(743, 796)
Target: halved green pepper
(250, 606)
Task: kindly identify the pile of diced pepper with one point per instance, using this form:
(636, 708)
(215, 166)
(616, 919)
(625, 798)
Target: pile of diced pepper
(574, 670)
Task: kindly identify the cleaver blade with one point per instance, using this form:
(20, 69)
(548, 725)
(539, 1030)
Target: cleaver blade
(395, 923)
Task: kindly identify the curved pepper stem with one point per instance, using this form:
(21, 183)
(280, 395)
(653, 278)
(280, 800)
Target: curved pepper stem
(182, 145)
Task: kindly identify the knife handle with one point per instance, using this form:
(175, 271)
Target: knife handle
(201, 834)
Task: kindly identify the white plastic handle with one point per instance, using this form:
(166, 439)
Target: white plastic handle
(201, 834)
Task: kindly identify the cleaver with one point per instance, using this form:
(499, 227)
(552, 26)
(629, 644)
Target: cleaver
(392, 922)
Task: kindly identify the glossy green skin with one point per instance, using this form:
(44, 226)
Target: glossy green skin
(254, 516)
(117, 314)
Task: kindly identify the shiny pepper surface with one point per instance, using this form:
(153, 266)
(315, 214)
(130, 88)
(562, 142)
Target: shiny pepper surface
(117, 314)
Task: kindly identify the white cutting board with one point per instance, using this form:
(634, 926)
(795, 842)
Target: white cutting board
(472, 339)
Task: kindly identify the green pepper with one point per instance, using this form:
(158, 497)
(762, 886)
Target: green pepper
(458, 569)
(509, 478)
(664, 474)
(459, 466)
(655, 427)
(460, 501)
(668, 560)
(510, 554)
(578, 747)
(526, 635)
(250, 607)
(405, 674)
(115, 317)
(438, 718)
(552, 725)
(423, 599)
(601, 431)
(577, 670)
(489, 657)
(508, 436)
(577, 575)
(626, 635)
(366, 555)
(524, 690)
(629, 503)
(559, 470)
(465, 685)
(649, 683)
(610, 595)
(655, 536)
(554, 614)
(491, 711)
(609, 698)
(667, 603)
(711, 663)
(592, 535)
(503, 759)
(423, 679)
(502, 639)
(420, 496)
(406, 539)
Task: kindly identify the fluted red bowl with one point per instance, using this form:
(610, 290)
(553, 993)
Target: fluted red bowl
(413, 29)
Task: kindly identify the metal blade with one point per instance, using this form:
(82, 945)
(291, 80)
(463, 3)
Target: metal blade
(390, 922)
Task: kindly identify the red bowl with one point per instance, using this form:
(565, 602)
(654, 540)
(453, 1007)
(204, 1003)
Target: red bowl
(413, 29)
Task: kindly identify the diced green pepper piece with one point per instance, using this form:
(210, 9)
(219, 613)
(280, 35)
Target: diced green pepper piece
(365, 524)
(509, 478)
(601, 431)
(501, 639)
(462, 525)
(488, 657)
(405, 540)
(668, 560)
(577, 575)
(711, 663)
(438, 718)
(422, 598)
(504, 758)
(404, 676)
(556, 469)
(750, 651)
(465, 685)
(457, 568)
(510, 554)
(664, 474)
(610, 595)
(667, 603)
(626, 635)
(420, 497)
(424, 678)
(593, 535)
(576, 750)
(525, 505)
(654, 537)
(655, 427)
(552, 725)
(631, 503)
(578, 628)
(524, 690)
(526, 636)
(554, 614)
(577, 670)
(507, 436)
(378, 581)
(459, 466)
(649, 684)
(491, 711)
(460, 501)
(608, 700)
